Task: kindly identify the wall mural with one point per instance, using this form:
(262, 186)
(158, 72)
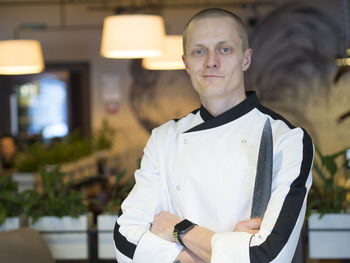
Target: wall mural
(293, 72)
(159, 96)
(294, 61)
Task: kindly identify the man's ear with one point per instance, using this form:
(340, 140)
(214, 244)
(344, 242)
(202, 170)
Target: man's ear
(247, 59)
(185, 62)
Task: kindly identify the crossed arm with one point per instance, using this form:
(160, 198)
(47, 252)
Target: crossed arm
(279, 231)
(198, 239)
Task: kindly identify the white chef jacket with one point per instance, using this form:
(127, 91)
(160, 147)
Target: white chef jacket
(203, 168)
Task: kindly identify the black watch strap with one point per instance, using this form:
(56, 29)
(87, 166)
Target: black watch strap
(177, 238)
(182, 228)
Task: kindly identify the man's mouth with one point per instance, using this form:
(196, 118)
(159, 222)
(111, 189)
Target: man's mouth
(211, 76)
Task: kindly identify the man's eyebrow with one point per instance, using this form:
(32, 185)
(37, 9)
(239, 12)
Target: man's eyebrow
(223, 42)
(219, 43)
(226, 42)
(198, 45)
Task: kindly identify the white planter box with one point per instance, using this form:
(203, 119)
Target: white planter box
(105, 241)
(10, 223)
(329, 237)
(66, 237)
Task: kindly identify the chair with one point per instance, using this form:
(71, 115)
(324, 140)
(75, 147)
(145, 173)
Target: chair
(24, 245)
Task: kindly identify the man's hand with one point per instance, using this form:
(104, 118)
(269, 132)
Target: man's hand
(163, 225)
(187, 256)
(251, 226)
(198, 240)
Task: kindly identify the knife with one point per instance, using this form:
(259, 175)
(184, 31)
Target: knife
(263, 178)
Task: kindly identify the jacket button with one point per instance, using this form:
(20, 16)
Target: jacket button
(178, 188)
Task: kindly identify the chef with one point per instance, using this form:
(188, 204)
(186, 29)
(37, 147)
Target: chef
(194, 192)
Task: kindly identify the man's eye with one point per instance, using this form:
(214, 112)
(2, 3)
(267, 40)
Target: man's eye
(225, 50)
(199, 52)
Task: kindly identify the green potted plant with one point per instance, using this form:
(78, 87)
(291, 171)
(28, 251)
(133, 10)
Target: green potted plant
(104, 137)
(70, 148)
(38, 154)
(106, 221)
(328, 208)
(10, 204)
(77, 155)
(60, 214)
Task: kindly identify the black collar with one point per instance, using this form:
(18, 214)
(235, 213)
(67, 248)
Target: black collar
(234, 113)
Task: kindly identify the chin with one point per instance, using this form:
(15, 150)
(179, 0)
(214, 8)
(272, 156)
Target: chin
(211, 92)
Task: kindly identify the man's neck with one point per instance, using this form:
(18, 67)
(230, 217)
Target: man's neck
(216, 106)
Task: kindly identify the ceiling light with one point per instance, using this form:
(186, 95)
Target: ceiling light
(343, 61)
(171, 57)
(132, 36)
(19, 57)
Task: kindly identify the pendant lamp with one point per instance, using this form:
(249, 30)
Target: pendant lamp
(170, 59)
(132, 36)
(344, 61)
(19, 57)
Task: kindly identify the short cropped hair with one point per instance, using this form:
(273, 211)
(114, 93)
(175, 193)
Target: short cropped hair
(214, 13)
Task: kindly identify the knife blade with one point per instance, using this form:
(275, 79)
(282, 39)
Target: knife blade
(263, 178)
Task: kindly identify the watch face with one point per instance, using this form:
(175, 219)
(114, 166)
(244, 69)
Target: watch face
(184, 226)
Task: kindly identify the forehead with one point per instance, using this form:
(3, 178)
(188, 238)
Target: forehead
(212, 29)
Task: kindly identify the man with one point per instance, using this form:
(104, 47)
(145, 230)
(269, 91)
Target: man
(198, 173)
(7, 152)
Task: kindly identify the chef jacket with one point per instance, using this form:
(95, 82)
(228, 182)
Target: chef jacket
(203, 168)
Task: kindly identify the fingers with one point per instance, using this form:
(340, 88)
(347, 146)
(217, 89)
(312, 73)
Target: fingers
(254, 223)
(251, 231)
(163, 225)
(251, 226)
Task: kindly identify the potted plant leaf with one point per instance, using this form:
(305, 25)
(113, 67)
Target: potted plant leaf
(70, 148)
(10, 204)
(60, 214)
(38, 154)
(106, 221)
(68, 152)
(328, 209)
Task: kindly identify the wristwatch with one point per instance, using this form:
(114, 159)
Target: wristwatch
(182, 228)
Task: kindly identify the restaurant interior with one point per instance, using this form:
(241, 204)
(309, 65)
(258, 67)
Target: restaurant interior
(84, 82)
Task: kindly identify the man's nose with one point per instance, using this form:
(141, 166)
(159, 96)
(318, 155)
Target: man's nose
(212, 60)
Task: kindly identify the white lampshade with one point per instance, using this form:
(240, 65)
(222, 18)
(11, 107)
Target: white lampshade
(132, 36)
(19, 57)
(171, 57)
(343, 61)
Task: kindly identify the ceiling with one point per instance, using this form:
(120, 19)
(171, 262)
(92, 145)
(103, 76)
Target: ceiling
(180, 4)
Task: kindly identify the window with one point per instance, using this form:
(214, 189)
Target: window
(40, 106)
(46, 105)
